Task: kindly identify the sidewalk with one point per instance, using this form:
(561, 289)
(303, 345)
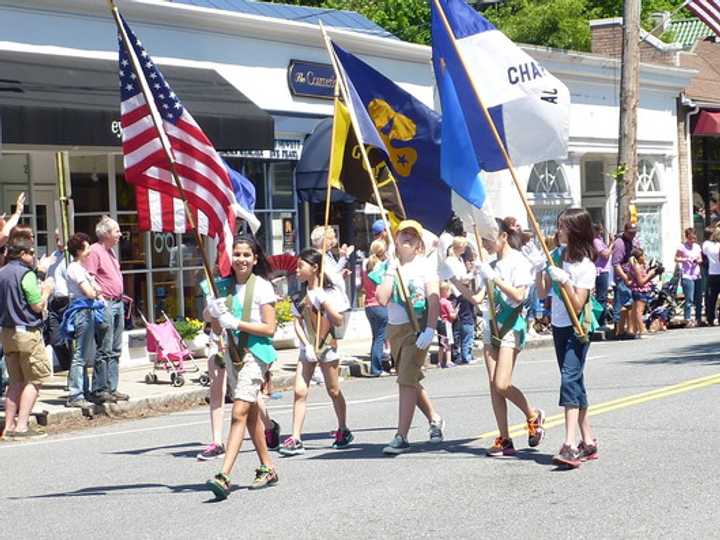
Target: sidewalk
(162, 397)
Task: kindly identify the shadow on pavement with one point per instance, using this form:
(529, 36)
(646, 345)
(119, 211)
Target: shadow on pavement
(195, 448)
(110, 490)
(707, 352)
(374, 450)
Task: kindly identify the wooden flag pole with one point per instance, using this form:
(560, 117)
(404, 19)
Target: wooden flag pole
(531, 215)
(368, 167)
(157, 122)
(61, 160)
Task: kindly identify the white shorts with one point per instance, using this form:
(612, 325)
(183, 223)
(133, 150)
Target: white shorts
(511, 340)
(246, 384)
(330, 355)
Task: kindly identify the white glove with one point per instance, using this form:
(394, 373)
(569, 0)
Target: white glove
(558, 275)
(228, 321)
(537, 260)
(425, 338)
(310, 355)
(216, 307)
(487, 272)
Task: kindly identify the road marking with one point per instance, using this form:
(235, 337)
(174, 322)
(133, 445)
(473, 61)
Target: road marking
(282, 408)
(612, 405)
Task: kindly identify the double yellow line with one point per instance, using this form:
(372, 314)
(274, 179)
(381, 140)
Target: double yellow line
(608, 406)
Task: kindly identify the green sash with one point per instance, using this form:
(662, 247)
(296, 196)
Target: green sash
(507, 318)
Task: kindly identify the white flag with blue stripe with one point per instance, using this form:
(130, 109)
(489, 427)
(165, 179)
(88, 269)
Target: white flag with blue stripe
(529, 106)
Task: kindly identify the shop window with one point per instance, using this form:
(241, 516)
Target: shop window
(282, 185)
(89, 180)
(135, 286)
(594, 178)
(549, 194)
(165, 294)
(124, 192)
(255, 171)
(132, 243)
(647, 177)
(650, 230)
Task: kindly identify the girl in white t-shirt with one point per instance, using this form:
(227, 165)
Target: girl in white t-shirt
(332, 303)
(253, 339)
(510, 276)
(711, 250)
(577, 279)
(407, 347)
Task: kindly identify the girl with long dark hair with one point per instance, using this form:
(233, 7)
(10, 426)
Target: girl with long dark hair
(331, 303)
(575, 274)
(248, 312)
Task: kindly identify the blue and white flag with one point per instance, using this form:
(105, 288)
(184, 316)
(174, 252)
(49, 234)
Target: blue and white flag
(245, 198)
(528, 105)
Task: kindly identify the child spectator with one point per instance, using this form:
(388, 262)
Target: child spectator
(448, 315)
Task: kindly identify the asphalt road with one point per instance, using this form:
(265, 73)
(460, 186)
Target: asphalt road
(655, 416)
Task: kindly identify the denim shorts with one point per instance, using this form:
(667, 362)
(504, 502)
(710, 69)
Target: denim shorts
(639, 296)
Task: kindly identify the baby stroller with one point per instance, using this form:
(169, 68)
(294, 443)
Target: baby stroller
(664, 304)
(169, 353)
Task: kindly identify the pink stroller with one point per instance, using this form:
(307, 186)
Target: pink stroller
(169, 353)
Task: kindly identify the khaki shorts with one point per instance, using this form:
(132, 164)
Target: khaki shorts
(511, 340)
(246, 385)
(409, 360)
(26, 359)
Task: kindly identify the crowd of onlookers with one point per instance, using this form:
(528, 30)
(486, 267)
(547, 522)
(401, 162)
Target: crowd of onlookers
(70, 301)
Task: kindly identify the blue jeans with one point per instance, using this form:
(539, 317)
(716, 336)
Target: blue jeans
(464, 337)
(77, 375)
(571, 354)
(534, 305)
(602, 282)
(378, 318)
(622, 299)
(108, 340)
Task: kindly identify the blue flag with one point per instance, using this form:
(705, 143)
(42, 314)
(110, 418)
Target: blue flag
(245, 196)
(408, 133)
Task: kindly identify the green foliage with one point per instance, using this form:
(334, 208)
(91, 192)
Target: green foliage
(189, 328)
(283, 312)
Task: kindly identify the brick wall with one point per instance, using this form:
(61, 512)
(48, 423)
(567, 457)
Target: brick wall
(606, 40)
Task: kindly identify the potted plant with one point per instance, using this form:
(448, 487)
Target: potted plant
(191, 331)
(285, 337)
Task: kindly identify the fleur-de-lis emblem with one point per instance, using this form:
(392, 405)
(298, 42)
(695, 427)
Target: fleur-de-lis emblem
(395, 127)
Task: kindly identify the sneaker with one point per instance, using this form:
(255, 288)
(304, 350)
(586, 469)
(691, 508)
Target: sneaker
(501, 448)
(588, 452)
(211, 451)
(272, 436)
(399, 445)
(119, 396)
(28, 435)
(104, 397)
(343, 438)
(436, 431)
(220, 486)
(536, 433)
(567, 457)
(78, 403)
(292, 447)
(264, 477)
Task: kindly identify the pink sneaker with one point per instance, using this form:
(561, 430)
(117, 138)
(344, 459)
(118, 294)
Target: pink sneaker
(211, 451)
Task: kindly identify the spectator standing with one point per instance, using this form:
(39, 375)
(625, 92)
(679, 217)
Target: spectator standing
(23, 298)
(102, 263)
(448, 315)
(689, 256)
(711, 250)
(57, 304)
(641, 277)
(464, 325)
(376, 314)
(621, 249)
(82, 292)
(603, 265)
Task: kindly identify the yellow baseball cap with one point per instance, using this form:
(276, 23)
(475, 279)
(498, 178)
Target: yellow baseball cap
(410, 224)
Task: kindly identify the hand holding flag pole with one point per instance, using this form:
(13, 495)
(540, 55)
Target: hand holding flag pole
(368, 167)
(506, 156)
(162, 135)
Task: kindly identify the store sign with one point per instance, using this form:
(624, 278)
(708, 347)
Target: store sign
(310, 79)
(285, 150)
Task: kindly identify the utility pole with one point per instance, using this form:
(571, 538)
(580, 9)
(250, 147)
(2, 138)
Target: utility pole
(626, 173)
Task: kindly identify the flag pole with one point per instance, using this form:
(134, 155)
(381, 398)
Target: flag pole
(327, 218)
(368, 167)
(531, 215)
(61, 165)
(157, 122)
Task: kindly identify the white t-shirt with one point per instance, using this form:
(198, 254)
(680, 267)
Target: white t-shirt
(336, 299)
(416, 274)
(712, 251)
(263, 294)
(516, 270)
(77, 275)
(582, 276)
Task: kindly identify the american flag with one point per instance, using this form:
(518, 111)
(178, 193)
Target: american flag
(204, 178)
(708, 11)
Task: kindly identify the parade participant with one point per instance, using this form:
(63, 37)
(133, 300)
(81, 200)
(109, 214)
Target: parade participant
(218, 381)
(408, 348)
(332, 303)
(640, 287)
(689, 255)
(576, 274)
(249, 313)
(511, 275)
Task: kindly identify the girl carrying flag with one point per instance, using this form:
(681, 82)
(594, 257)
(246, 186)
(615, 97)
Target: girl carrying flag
(331, 302)
(249, 312)
(575, 273)
(510, 276)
